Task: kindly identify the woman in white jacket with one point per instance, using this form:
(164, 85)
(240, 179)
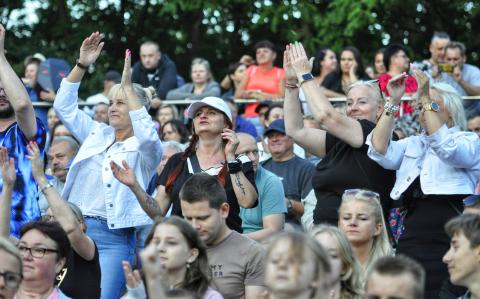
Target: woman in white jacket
(435, 170)
(111, 210)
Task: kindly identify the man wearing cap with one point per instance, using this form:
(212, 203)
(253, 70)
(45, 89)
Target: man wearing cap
(18, 127)
(471, 204)
(295, 172)
(111, 78)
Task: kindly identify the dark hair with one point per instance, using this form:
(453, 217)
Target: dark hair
(198, 276)
(401, 264)
(358, 59)
(177, 126)
(390, 51)
(265, 44)
(232, 67)
(203, 187)
(54, 231)
(468, 224)
(319, 57)
(456, 45)
(271, 107)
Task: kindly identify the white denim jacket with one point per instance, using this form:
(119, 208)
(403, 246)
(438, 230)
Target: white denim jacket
(447, 161)
(142, 152)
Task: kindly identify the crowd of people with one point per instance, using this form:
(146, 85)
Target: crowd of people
(294, 195)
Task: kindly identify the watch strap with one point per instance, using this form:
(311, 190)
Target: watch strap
(81, 65)
(234, 166)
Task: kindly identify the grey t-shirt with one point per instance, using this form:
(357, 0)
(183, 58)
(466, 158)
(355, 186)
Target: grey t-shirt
(236, 262)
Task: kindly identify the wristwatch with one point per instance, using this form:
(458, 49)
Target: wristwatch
(304, 78)
(432, 106)
(234, 166)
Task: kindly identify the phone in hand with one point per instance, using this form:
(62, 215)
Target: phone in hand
(446, 68)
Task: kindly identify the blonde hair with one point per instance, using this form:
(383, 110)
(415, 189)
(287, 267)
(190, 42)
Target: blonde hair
(7, 246)
(372, 85)
(145, 95)
(453, 103)
(381, 245)
(352, 277)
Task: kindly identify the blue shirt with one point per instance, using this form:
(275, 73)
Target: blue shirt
(24, 203)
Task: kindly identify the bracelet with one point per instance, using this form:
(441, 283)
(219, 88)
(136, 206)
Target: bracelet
(391, 109)
(290, 85)
(81, 65)
(234, 166)
(49, 185)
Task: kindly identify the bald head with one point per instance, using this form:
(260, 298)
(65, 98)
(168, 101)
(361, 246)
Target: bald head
(248, 146)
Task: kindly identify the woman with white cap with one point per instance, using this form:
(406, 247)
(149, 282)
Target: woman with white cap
(211, 150)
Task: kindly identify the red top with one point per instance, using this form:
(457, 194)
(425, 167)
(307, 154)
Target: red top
(410, 87)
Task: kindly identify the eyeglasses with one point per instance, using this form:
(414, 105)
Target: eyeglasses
(12, 279)
(37, 252)
(362, 193)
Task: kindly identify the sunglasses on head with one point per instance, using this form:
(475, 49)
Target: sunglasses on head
(362, 193)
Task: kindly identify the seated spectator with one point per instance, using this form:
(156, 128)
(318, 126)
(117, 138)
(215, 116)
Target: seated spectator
(360, 217)
(464, 77)
(295, 172)
(473, 123)
(471, 204)
(246, 60)
(435, 170)
(297, 267)
(437, 53)
(268, 217)
(60, 155)
(261, 109)
(235, 74)
(237, 262)
(10, 269)
(166, 113)
(396, 277)
(155, 69)
(175, 130)
(397, 62)
(263, 81)
(340, 142)
(346, 275)
(203, 85)
(378, 66)
(240, 124)
(111, 78)
(52, 118)
(33, 88)
(175, 257)
(350, 70)
(44, 247)
(59, 130)
(462, 257)
(100, 113)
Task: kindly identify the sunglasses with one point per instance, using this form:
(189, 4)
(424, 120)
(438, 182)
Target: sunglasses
(362, 193)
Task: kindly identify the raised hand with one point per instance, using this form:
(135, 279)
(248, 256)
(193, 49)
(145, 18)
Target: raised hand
(457, 73)
(423, 85)
(232, 143)
(34, 157)
(91, 48)
(127, 70)
(2, 39)
(124, 175)
(133, 278)
(152, 265)
(396, 87)
(299, 60)
(290, 75)
(9, 174)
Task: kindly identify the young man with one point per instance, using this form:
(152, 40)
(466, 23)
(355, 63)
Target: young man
(463, 257)
(237, 262)
(397, 277)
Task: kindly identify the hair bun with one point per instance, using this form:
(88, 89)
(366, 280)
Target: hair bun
(150, 92)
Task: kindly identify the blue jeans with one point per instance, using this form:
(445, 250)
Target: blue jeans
(114, 246)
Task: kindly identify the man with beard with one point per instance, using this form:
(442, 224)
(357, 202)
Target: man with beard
(18, 127)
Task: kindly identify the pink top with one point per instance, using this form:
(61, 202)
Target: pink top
(212, 294)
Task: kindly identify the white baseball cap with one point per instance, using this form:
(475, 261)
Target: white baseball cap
(213, 102)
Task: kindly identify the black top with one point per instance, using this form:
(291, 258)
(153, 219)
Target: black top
(345, 167)
(233, 220)
(82, 280)
(164, 76)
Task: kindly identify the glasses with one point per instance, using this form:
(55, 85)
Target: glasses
(362, 193)
(37, 252)
(12, 279)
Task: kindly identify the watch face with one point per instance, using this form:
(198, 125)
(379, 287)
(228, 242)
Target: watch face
(435, 106)
(307, 77)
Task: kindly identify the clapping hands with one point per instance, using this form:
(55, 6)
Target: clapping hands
(9, 174)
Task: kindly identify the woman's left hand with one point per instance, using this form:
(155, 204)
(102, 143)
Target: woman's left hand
(37, 162)
(232, 143)
(299, 60)
(9, 174)
(126, 82)
(423, 85)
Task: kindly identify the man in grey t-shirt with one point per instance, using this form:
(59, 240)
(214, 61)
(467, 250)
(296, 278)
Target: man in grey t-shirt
(236, 261)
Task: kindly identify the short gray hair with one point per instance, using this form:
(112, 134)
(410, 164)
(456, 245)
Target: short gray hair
(372, 86)
(72, 143)
(177, 146)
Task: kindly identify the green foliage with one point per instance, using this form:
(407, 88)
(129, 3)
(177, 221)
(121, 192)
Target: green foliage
(222, 31)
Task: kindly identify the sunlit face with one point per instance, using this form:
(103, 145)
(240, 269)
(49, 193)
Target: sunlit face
(437, 49)
(248, 146)
(52, 118)
(169, 133)
(31, 72)
(379, 66)
(208, 222)
(118, 112)
(167, 153)
(442, 110)
(390, 286)
(172, 247)
(361, 104)
(239, 73)
(164, 114)
(474, 125)
(331, 246)
(265, 56)
(275, 113)
(358, 222)
(38, 269)
(150, 56)
(200, 74)
(454, 56)
(101, 113)
(61, 130)
(9, 264)
(279, 144)
(208, 119)
(329, 62)
(401, 60)
(285, 273)
(60, 155)
(463, 261)
(347, 59)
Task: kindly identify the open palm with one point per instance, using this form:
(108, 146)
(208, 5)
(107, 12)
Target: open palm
(8, 168)
(124, 175)
(91, 48)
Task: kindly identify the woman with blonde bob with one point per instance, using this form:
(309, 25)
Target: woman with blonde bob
(297, 267)
(361, 219)
(346, 272)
